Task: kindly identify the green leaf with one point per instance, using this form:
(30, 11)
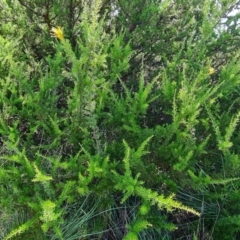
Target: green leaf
(40, 177)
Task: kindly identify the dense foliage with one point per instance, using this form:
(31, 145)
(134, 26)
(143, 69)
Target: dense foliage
(119, 119)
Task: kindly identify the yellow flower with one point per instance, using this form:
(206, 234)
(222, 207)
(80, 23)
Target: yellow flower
(211, 70)
(57, 32)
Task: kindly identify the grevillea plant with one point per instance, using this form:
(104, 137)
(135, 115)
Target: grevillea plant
(52, 142)
(119, 120)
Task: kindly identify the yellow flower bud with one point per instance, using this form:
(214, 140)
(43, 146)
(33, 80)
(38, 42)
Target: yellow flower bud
(57, 32)
(211, 70)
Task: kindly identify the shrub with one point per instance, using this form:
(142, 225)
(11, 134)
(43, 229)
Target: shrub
(99, 140)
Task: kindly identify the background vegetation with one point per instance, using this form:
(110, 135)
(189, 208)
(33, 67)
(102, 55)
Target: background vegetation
(119, 119)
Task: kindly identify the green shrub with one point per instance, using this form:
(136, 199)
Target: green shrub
(106, 135)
